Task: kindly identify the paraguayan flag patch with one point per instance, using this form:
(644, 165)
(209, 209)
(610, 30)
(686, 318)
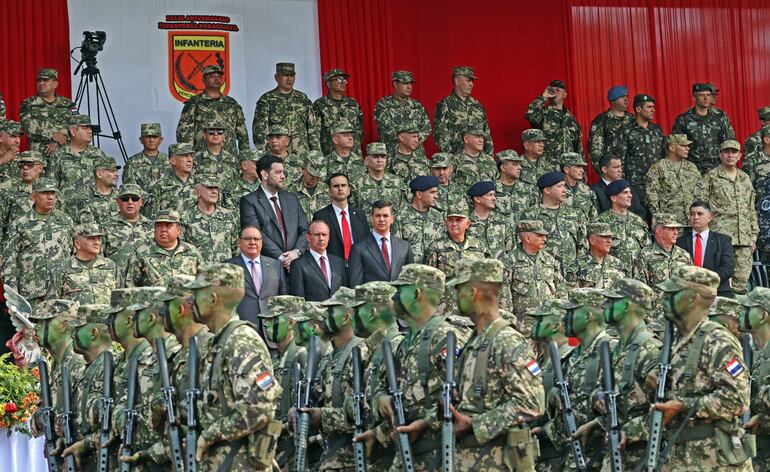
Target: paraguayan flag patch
(264, 381)
(734, 367)
(534, 368)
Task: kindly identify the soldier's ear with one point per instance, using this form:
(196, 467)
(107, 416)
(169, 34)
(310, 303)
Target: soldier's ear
(94, 333)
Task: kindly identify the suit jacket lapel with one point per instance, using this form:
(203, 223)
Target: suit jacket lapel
(247, 274)
(397, 249)
(317, 268)
(711, 247)
(374, 248)
(267, 205)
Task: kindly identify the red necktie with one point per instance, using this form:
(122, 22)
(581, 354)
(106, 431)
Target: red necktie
(385, 253)
(697, 256)
(279, 214)
(325, 272)
(347, 241)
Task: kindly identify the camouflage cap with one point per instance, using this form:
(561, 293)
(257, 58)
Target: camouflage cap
(181, 149)
(45, 185)
(315, 164)
(509, 155)
(633, 290)
(176, 288)
(342, 126)
(376, 149)
(151, 129)
(106, 162)
(80, 120)
(477, 270)
(344, 296)
(374, 292)
(764, 113)
(593, 297)
(278, 130)
(47, 73)
(168, 216)
(573, 159)
(285, 68)
(730, 144)
(532, 135)
(458, 206)
(30, 157)
(88, 229)
(90, 313)
(219, 275)
(249, 155)
(550, 307)
(130, 189)
(282, 305)
(213, 124)
(122, 298)
(464, 71)
(530, 226)
(759, 296)
(666, 220)
(702, 281)
(599, 229)
(408, 127)
(333, 73)
(558, 84)
(703, 87)
(10, 127)
(212, 69)
(474, 129)
(207, 180)
(403, 76)
(53, 308)
(765, 131)
(147, 297)
(680, 139)
(440, 160)
(422, 276)
(310, 311)
(730, 306)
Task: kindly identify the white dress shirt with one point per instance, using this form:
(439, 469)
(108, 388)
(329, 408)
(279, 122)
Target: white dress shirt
(338, 214)
(317, 258)
(378, 237)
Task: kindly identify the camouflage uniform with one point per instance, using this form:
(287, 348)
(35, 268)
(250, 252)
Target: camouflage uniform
(754, 142)
(121, 237)
(514, 199)
(331, 112)
(87, 282)
(231, 199)
(494, 232)
(367, 190)
(453, 115)
(202, 109)
(171, 193)
(72, 170)
(391, 113)
(470, 169)
(654, 264)
(629, 235)
(14, 200)
(583, 201)
(566, 234)
(292, 110)
(352, 166)
(407, 167)
(757, 165)
(706, 133)
(588, 272)
(41, 119)
(419, 228)
(605, 129)
(638, 148)
(562, 131)
(91, 206)
(225, 166)
(142, 169)
(216, 235)
(672, 187)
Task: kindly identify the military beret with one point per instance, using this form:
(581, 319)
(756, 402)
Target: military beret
(333, 73)
(130, 189)
(666, 220)
(30, 157)
(730, 144)
(734, 308)
(440, 160)
(759, 296)
(53, 308)
(480, 188)
(310, 311)
(146, 298)
(616, 92)
(176, 288)
(344, 296)
(549, 178)
(530, 226)
(703, 87)
(633, 290)
(457, 206)
(213, 125)
(212, 70)
(764, 113)
(168, 216)
(599, 229)
(151, 129)
(282, 305)
(121, 298)
(106, 162)
(532, 135)
(207, 180)
(765, 131)
(88, 229)
(90, 313)
(342, 126)
(376, 149)
(220, 275)
(423, 183)
(509, 155)
(181, 149)
(285, 68)
(408, 127)
(680, 139)
(47, 73)
(376, 292)
(464, 71)
(641, 99)
(422, 276)
(10, 127)
(403, 76)
(548, 308)
(44, 185)
(249, 155)
(703, 281)
(474, 129)
(573, 159)
(477, 270)
(593, 297)
(616, 187)
(80, 120)
(278, 130)
(558, 84)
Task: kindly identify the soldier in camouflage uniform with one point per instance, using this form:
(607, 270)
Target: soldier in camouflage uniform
(754, 142)
(471, 163)
(45, 115)
(278, 143)
(499, 382)
(442, 169)
(706, 126)
(398, 108)
(674, 183)
(15, 192)
(72, 165)
(3, 111)
(639, 144)
(606, 126)
(728, 312)
(757, 163)
(492, 228)
(213, 159)
(10, 138)
(154, 262)
(211, 105)
(656, 262)
(311, 189)
(343, 158)
(629, 231)
(176, 189)
(209, 226)
(237, 429)
(289, 107)
(420, 222)
(86, 277)
(513, 196)
(150, 164)
(459, 110)
(534, 165)
(597, 267)
(580, 197)
(375, 183)
(729, 192)
(336, 107)
(708, 380)
(126, 228)
(247, 182)
(98, 199)
(37, 241)
(561, 129)
(405, 162)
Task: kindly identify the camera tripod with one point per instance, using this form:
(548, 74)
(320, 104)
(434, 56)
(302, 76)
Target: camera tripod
(91, 77)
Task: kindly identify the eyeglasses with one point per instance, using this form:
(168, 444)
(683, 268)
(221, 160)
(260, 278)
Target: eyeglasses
(133, 198)
(252, 239)
(215, 132)
(340, 79)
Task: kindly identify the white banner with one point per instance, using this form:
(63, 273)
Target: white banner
(139, 60)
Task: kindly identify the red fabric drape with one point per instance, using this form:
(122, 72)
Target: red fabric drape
(35, 34)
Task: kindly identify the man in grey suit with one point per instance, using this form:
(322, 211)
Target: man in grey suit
(276, 213)
(263, 276)
(380, 256)
(317, 274)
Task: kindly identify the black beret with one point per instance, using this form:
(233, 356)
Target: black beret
(558, 83)
(616, 187)
(480, 188)
(423, 183)
(641, 99)
(549, 178)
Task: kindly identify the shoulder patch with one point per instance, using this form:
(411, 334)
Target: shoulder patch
(264, 381)
(534, 368)
(734, 367)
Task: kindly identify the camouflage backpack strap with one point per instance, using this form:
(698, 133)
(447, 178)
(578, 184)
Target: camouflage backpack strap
(591, 377)
(693, 355)
(287, 379)
(423, 357)
(480, 370)
(215, 371)
(339, 367)
(629, 365)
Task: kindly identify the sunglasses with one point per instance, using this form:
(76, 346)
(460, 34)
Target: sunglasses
(215, 132)
(133, 198)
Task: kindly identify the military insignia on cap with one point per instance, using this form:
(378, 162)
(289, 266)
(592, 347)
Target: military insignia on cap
(734, 367)
(264, 381)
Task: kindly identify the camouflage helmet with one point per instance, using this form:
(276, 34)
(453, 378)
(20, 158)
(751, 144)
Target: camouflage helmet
(220, 275)
(146, 298)
(90, 313)
(176, 288)
(421, 275)
(477, 270)
(374, 292)
(759, 296)
(592, 297)
(632, 290)
(53, 308)
(552, 307)
(310, 311)
(729, 307)
(699, 279)
(344, 296)
(122, 298)
(282, 305)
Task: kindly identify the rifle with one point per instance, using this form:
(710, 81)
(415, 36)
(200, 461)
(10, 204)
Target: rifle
(128, 427)
(402, 439)
(104, 435)
(748, 359)
(67, 414)
(656, 421)
(192, 393)
(358, 409)
(611, 405)
(569, 415)
(48, 416)
(167, 390)
(303, 421)
(448, 425)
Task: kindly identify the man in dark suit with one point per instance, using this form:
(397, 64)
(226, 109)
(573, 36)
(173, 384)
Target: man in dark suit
(716, 249)
(316, 275)
(379, 256)
(612, 170)
(263, 276)
(348, 224)
(276, 213)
